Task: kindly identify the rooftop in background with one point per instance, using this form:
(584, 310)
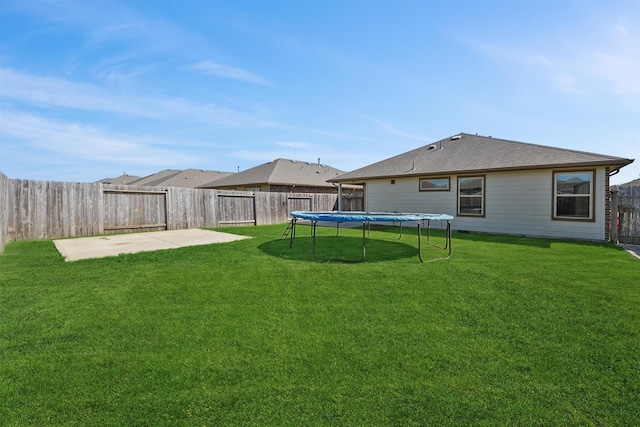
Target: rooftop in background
(193, 178)
(124, 179)
(634, 182)
(281, 172)
(465, 153)
(189, 178)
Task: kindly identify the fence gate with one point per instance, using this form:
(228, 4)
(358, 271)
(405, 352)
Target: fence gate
(236, 209)
(628, 208)
(629, 226)
(134, 210)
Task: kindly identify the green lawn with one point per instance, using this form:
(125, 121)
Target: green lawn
(509, 331)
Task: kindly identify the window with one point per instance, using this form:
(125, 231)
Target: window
(471, 196)
(573, 195)
(434, 184)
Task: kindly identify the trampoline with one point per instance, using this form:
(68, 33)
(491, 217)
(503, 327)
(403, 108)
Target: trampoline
(366, 218)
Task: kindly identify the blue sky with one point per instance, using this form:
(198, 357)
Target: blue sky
(93, 89)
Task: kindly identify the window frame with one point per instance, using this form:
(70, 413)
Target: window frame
(592, 199)
(447, 178)
(482, 196)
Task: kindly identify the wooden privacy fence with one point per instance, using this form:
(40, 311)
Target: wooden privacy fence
(46, 210)
(626, 200)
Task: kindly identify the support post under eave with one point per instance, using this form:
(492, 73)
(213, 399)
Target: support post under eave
(613, 222)
(340, 197)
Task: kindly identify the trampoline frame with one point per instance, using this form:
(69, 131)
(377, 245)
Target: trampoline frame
(367, 218)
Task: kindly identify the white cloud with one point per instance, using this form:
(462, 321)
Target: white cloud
(85, 142)
(53, 92)
(49, 92)
(228, 72)
(295, 144)
(392, 129)
(587, 57)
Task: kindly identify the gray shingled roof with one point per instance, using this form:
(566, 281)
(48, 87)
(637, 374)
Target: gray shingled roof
(157, 178)
(633, 183)
(124, 179)
(189, 178)
(281, 172)
(464, 153)
(192, 178)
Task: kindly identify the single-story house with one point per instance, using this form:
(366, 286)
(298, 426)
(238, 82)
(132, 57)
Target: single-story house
(283, 175)
(495, 185)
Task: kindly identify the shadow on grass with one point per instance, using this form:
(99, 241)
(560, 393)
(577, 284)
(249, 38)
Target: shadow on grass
(438, 232)
(538, 242)
(338, 247)
(487, 239)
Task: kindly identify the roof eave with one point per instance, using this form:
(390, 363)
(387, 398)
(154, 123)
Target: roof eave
(301, 184)
(617, 163)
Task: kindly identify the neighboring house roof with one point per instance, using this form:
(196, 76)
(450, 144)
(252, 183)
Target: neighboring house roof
(192, 178)
(633, 183)
(189, 178)
(157, 178)
(280, 172)
(466, 153)
(124, 179)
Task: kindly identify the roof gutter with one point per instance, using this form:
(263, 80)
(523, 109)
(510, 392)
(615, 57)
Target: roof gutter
(620, 164)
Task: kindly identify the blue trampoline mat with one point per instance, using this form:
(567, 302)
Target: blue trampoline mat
(343, 216)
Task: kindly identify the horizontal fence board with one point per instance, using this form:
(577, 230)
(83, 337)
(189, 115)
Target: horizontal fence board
(134, 227)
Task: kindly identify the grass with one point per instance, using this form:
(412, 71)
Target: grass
(509, 331)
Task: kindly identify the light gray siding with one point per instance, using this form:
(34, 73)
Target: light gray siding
(404, 196)
(518, 203)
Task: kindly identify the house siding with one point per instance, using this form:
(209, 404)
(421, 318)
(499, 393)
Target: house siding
(518, 203)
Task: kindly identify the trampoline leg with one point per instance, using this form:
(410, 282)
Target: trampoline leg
(447, 244)
(293, 231)
(364, 239)
(447, 240)
(419, 243)
(449, 237)
(313, 239)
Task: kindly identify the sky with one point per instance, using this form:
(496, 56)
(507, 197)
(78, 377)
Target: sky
(95, 89)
